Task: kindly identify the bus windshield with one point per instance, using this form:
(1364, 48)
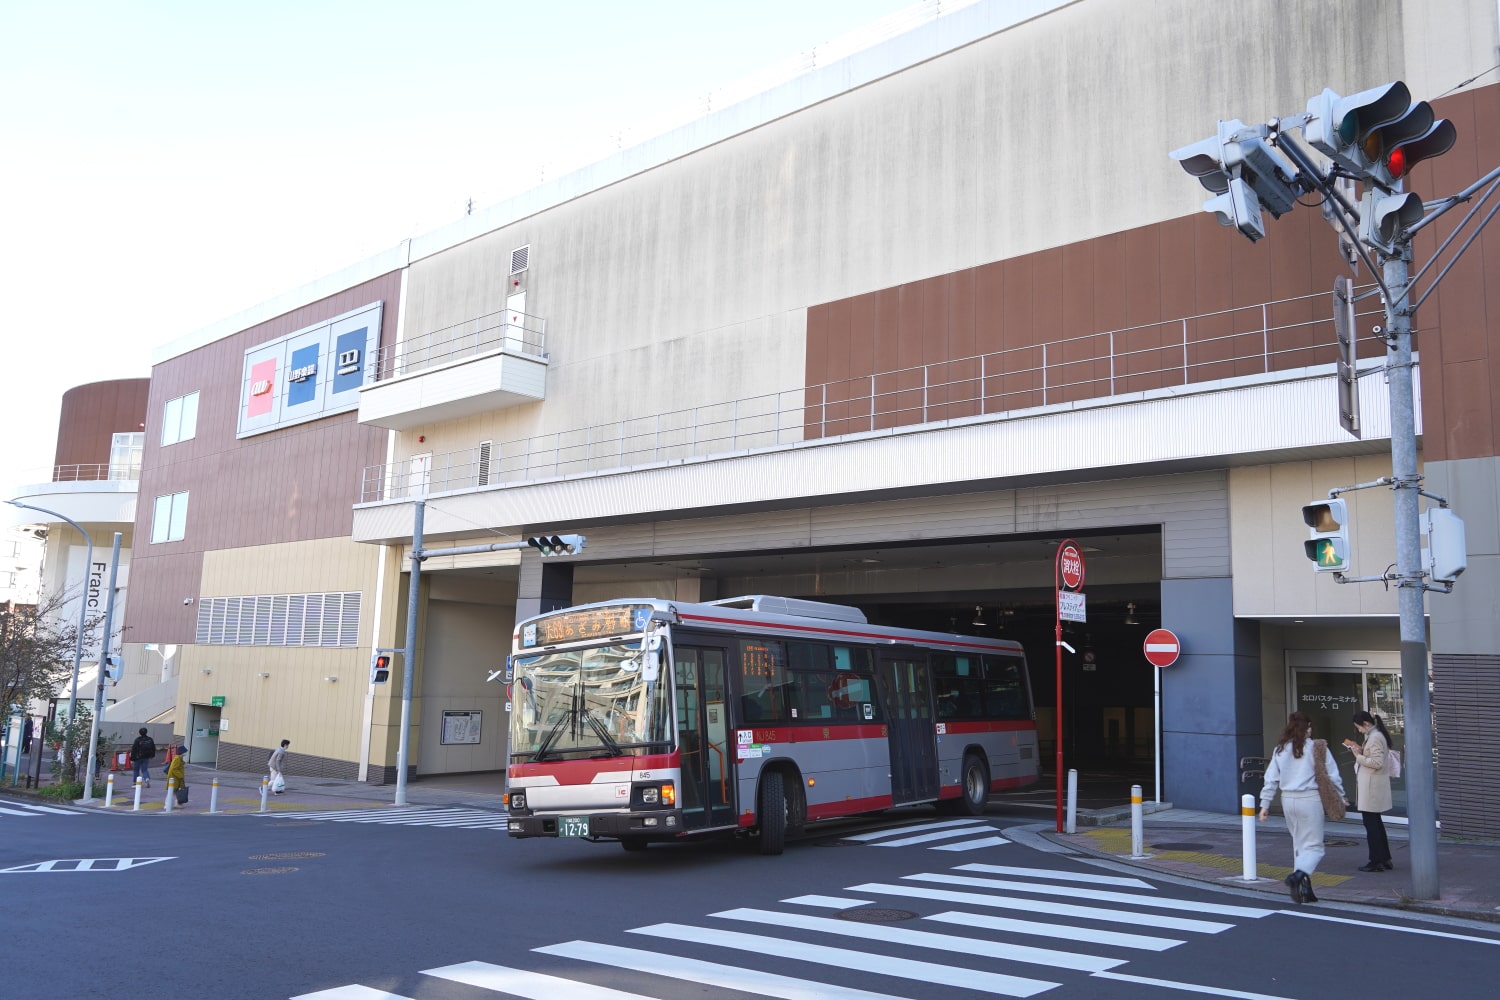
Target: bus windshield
(606, 701)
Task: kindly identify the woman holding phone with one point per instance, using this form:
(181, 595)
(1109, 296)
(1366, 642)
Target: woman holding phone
(1373, 782)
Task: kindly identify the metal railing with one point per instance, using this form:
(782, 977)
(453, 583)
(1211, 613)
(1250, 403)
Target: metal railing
(508, 330)
(95, 472)
(1255, 340)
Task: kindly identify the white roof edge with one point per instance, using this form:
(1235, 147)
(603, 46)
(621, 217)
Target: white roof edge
(953, 30)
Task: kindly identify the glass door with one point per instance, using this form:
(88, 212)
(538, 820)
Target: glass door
(702, 731)
(1330, 695)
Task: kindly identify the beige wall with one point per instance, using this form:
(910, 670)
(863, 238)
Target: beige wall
(1272, 576)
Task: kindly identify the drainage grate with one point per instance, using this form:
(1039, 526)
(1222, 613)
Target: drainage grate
(1342, 843)
(286, 856)
(267, 871)
(1182, 847)
(875, 915)
(330, 784)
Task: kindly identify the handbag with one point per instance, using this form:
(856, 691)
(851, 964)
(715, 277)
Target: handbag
(182, 794)
(1333, 802)
(1393, 763)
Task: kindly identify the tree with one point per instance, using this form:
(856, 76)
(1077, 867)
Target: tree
(36, 651)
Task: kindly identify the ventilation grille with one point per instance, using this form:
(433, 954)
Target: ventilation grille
(518, 258)
(280, 620)
(484, 462)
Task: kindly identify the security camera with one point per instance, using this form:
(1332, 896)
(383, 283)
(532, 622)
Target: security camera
(187, 600)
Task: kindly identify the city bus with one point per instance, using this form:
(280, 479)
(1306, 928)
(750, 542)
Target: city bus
(649, 720)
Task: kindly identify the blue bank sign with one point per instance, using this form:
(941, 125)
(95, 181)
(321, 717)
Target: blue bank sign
(313, 373)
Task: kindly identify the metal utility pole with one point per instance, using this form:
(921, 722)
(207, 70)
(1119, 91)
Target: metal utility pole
(109, 618)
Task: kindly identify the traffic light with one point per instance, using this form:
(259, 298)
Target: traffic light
(1446, 555)
(1328, 529)
(1377, 134)
(1383, 218)
(558, 545)
(380, 668)
(1245, 172)
(114, 666)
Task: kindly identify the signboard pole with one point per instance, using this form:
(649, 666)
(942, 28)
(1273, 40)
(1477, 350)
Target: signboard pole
(1156, 703)
(1162, 648)
(1067, 572)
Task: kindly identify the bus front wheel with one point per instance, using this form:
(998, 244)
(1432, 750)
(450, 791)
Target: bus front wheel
(774, 807)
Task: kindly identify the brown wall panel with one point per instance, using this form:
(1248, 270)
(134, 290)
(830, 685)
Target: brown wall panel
(92, 414)
(1142, 293)
(288, 485)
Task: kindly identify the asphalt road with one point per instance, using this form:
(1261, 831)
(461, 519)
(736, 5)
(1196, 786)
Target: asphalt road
(345, 908)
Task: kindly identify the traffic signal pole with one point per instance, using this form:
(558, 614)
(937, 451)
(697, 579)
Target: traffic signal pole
(1411, 589)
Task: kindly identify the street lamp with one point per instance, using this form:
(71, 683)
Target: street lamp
(83, 610)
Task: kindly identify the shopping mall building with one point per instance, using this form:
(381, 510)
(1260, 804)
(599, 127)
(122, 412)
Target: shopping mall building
(882, 334)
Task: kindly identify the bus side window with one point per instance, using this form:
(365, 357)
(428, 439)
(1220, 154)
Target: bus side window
(763, 680)
(958, 685)
(1004, 690)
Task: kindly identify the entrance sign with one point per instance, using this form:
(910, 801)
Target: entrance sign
(1162, 648)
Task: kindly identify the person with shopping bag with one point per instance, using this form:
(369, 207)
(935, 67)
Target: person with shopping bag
(1372, 776)
(275, 765)
(177, 775)
(1304, 771)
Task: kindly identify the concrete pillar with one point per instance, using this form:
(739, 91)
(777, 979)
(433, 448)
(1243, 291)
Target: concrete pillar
(545, 585)
(1210, 697)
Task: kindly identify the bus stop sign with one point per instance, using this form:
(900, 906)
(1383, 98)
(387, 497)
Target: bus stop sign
(1162, 648)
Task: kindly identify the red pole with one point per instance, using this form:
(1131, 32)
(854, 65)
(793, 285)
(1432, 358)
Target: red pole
(1057, 713)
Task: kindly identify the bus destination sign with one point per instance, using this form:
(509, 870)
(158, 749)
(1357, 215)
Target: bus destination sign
(592, 623)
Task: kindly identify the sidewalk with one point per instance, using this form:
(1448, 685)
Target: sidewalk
(240, 793)
(1209, 847)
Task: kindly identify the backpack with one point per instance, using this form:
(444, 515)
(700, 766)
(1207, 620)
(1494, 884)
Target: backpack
(144, 748)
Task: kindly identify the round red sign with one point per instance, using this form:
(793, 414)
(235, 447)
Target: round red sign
(1162, 648)
(1070, 566)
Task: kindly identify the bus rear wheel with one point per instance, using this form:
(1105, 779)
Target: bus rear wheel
(976, 787)
(773, 809)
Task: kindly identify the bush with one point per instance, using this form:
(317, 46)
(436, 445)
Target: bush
(69, 791)
(76, 729)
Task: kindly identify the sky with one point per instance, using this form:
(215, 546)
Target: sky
(165, 165)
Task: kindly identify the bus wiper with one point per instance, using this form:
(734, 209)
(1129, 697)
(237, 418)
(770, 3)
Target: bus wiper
(602, 733)
(551, 737)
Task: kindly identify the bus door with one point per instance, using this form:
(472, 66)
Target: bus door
(906, 689)
(706, 795)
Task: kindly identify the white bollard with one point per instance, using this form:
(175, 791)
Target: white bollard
(213, 797)
(1247, 823)
(1072, 824)
(265, 786)
(1137, 834)
(137, 806)
(109, 791)
(170, 796)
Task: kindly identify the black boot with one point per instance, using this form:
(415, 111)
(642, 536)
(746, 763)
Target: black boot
(1294, 882)
(1307, 892)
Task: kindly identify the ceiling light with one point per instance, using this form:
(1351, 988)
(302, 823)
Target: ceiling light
(1130, 614)
(978, 615)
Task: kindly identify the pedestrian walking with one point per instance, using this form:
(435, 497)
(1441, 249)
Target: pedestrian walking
(1372, 777)
(177, 775)
(142, 752)
(1294, 770)
(275, 765)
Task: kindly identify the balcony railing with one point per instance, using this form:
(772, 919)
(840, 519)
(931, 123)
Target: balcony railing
(95, 472)
(1273, 336)
(516, 332)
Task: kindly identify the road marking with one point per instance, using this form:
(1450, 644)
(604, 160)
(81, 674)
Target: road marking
(924, 838)
(831, 902)
(974, 825)
(519, 982)
(1189, 987)
(84, 865)
(1047, 873)
(1066, 932)
(1047, 906)
(845, 958)
(1219, 909)
(968, 845)
(26, 809)
(926, 939)
(350, 993)
(1391, 927)
(728, 977)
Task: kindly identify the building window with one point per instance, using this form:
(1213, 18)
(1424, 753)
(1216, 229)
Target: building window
(125, 455)
(169, 520)
(179, 419)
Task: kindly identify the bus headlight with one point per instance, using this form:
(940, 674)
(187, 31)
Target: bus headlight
(650, 796)
(516, 800)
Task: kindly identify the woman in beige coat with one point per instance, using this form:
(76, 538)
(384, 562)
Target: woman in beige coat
(1372, 771)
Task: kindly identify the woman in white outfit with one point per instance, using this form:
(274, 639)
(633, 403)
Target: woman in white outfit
(1291, 771)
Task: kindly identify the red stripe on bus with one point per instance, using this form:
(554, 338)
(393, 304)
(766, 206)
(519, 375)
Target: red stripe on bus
(997, 726)
(582, 772)
(817, 734)
(753, 625)
(996, 785)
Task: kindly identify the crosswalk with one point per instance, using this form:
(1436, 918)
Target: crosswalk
(1065, 924)
(958, 834)
(10, 808)
(447, 816)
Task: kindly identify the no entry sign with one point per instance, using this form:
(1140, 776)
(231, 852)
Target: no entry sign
(1162, 648)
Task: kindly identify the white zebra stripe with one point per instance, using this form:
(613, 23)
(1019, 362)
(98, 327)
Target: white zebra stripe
(1101, 895)
(967, 845)
(1047, 906)
(1065, 932)
(1056, 876)
(973, 824)
(531, 985)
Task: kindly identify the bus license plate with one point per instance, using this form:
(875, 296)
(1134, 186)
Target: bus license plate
(573, 826)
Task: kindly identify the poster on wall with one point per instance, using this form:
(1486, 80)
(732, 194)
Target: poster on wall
(312, 373)
(460, 727)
